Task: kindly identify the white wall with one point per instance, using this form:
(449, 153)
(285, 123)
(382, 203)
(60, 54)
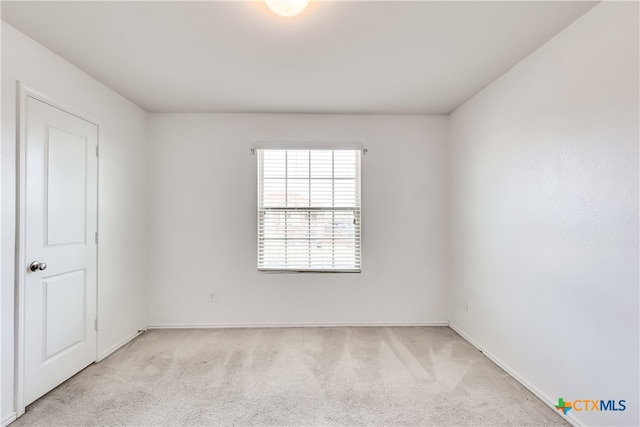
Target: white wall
(204, 223)
(123, 191)
(545, 215)
(3, 421)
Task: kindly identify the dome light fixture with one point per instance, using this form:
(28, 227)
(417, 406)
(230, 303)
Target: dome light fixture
(287, 7)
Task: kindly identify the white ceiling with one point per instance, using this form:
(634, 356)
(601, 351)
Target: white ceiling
(378, 57)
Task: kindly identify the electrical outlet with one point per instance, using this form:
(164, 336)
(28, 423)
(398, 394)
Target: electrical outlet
(212, 297)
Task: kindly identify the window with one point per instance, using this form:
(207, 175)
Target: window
(309, 210)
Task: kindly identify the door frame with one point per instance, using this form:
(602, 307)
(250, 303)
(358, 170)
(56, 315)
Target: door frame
(23, 93)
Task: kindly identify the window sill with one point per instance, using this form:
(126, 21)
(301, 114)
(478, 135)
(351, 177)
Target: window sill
(291, 271)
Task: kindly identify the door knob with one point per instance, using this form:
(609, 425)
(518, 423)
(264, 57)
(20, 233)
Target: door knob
(35, 266)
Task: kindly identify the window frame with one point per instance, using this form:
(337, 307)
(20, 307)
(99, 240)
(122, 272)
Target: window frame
(356, 209)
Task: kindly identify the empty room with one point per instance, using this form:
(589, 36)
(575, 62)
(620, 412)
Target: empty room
(320, 212)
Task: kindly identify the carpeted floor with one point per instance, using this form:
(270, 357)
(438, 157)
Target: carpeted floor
(293, 376)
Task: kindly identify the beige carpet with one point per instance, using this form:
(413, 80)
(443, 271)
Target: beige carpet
(293, 376)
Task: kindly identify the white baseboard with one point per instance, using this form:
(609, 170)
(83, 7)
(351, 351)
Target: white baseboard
(540, 395)
(119, 345)
(292, 325)
(9, 419)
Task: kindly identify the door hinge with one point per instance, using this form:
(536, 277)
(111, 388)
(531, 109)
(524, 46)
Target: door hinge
(96, 237)
(95, 324)
(97, 150)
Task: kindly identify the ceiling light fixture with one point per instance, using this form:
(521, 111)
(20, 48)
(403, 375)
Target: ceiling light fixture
(287, 7)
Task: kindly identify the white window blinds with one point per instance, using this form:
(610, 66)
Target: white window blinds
(309, 210)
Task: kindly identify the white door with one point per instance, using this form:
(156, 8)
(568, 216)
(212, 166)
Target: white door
(60, 248)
